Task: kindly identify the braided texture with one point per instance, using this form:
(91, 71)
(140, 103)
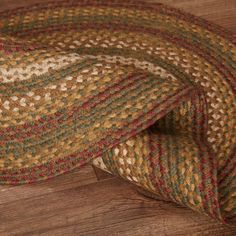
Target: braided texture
(142, 90)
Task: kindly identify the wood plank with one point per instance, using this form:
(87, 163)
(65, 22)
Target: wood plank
(221, 12)
(108, 207)
(76, 178)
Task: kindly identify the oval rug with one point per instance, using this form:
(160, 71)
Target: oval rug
(144, 90)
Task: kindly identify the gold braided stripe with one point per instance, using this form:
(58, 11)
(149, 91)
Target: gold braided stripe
(141, 90)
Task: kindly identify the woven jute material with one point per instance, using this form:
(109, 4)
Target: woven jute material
(142, 90)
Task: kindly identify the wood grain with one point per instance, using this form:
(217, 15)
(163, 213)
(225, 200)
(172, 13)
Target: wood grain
(108, 207)
(76, 178)
(78, 204)
(221, 12)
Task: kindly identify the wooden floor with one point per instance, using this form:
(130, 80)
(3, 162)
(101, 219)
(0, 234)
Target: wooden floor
(78, 204)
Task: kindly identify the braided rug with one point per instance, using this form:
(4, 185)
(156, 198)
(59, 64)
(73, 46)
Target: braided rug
(144, 90)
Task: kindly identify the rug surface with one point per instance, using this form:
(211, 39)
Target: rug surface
(142, 90)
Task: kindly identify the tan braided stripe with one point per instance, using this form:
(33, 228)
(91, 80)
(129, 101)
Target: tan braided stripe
(145, 88)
